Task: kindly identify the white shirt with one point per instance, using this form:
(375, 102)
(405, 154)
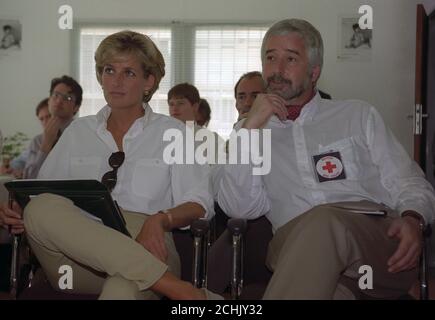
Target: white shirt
(376, 166)
(145, 183)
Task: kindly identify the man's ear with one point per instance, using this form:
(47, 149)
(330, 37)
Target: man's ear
(76, 109)
(315, 74)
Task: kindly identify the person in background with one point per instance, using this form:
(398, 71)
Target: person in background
(64, 102)
(18, 164)
(246, 90)
(203, 114)
(184, 100)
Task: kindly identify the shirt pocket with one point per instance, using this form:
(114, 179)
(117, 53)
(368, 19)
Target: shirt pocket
(85, 167)
(151, 178)
(348, 149)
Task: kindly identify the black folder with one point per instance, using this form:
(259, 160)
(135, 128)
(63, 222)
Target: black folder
(89, 195)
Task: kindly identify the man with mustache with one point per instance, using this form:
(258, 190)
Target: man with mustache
(342, 194)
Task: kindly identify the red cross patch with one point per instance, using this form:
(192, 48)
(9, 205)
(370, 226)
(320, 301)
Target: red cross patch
(329, 167)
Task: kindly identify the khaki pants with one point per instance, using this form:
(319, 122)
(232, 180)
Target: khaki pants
(103, 261)
(313, 255)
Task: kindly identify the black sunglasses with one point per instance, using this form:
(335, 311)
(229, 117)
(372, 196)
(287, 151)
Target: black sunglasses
(109, 179)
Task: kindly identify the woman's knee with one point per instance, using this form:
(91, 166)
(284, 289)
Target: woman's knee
(42, 209)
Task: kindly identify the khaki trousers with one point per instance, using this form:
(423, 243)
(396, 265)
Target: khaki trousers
(314, 254)
(103, 261)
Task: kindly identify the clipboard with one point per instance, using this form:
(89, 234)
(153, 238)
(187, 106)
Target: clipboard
(89, 195)
(363, 207)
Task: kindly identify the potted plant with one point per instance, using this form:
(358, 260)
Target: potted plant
(12, 147)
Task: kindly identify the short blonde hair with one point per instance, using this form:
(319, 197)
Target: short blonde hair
(130, 42)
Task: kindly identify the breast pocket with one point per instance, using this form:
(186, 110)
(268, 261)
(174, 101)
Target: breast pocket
(349, 150)
(150, 178)
(85, 167)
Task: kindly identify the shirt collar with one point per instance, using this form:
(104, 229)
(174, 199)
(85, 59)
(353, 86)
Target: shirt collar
(105, 112)
(310, 109)
(307, 113)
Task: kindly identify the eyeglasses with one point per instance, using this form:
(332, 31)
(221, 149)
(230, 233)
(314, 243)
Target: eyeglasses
(65, 97)
(109, 178)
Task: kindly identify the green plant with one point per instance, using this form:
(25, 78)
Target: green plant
(14, 145)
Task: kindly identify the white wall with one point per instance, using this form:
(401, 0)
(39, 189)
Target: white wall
(387, 81)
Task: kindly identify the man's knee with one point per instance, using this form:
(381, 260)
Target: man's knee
(323, 219)
(320, 220)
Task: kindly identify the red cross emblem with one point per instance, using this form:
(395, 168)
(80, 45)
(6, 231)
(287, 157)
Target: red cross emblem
(329, 167)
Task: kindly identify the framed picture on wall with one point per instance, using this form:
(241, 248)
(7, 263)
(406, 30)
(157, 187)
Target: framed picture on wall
(354, 43)
(10, 35)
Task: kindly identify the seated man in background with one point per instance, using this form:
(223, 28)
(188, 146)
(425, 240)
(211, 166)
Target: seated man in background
(18, 164)
(246, 90)
(334, 166)
(64, 102)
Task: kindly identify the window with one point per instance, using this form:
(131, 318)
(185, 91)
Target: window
(222, 55)
(210, 57)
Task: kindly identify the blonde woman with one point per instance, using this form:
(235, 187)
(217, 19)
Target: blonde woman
(122, 145)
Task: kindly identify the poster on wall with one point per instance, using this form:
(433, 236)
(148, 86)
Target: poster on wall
(354, 43)
(10, 37)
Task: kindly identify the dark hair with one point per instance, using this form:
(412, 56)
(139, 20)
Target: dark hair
(7, 27)
(355, 26)
(204, 109)
(70, 82)
(184, 90)
(41, 105)
(248, 75)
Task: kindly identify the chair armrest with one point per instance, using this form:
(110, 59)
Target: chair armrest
(237, 226)
(200, 227)
(424, 285)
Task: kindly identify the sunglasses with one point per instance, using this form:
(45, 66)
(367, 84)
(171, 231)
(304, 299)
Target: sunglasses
(109, 178)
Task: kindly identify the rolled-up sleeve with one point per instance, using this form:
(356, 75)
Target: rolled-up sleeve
(191, 183)
(400, 175)
(241, 193)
